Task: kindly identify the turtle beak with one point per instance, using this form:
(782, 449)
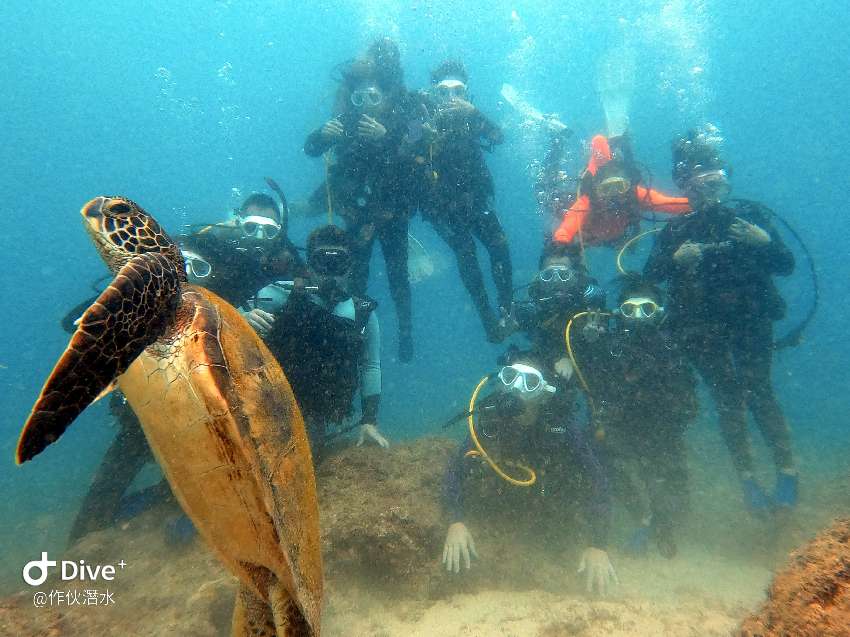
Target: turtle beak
(92, 214)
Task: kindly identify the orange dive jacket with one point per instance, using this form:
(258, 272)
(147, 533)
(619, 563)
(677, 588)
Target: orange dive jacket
(606, 226)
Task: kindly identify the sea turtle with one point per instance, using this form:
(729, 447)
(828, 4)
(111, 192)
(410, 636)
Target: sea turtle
(215, 407)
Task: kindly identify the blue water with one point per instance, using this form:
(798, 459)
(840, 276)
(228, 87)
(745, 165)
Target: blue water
(182, 106)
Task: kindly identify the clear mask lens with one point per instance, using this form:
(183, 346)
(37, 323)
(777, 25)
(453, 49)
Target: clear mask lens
(526, 381)
(259, 227)
(560, 273)
(196, 266)
(368, 97)
(613, 187)
(712, 184)
(643, 309)
(449, 93)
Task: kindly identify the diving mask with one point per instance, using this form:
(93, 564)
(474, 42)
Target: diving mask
(613, 187)
(712, 185)
(371, 96)
(196, 265)
(330, 261)
(639, 308)
(259, 227)
(451, 89)
(561, 272)
(525, 381)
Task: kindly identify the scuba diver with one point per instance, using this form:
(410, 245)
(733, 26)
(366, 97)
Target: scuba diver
(610, 198)
(719, 264)
(458, 201)
(536, 422)
(643, 395)
(238, 256)
(326, 340)
(561, 289)
(370, 174)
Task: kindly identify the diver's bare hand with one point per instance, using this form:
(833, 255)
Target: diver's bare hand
(564, 368)
(459, 544)
(370, 432)
(593, 329)
(332, 130)
(458, 106)
(599, 573)
(688, 253)
(748, 233)
(260, 320)
(370, 128)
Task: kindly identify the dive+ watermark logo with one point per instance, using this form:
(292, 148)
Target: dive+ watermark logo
(36, 572)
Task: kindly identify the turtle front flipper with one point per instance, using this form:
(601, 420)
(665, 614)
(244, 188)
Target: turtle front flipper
(129, 315)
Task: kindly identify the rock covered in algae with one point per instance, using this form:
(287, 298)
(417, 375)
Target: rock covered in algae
(380, 509)
(811, 595)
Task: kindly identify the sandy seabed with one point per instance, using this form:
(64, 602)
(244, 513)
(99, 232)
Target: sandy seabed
(519, 587)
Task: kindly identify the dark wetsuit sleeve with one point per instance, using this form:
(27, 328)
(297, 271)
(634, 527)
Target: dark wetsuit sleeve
(491, 133)
(316, 144)
(453, 483)
(775, 257)
(598, 503)
(659, 265)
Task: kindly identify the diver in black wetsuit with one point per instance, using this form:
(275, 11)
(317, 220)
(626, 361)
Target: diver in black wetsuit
(239, 256)
(561, 289)
(719, 263)
(538, 424)
(644, 394)
(370, 180)
(326, 340)
(459, 195)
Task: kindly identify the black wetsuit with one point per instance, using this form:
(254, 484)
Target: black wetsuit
(372, 187)
(544, 318)
(645, 397)
(722, 310)
(323, 356)
(557, 447)
(458, 202)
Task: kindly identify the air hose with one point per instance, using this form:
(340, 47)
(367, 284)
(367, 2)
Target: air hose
(480, 452)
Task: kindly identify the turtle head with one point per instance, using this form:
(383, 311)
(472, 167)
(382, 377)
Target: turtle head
(121, 229)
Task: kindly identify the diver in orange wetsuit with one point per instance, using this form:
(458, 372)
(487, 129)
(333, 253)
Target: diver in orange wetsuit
(610, 198)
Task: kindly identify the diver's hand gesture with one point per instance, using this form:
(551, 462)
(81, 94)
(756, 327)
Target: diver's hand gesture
(564, 368)
(332, 130)
(689, 253)
(459, 106)
(370, 128)
(260, 320)
(599, 573)
(459, 544)
(748, 233)
(593, 328)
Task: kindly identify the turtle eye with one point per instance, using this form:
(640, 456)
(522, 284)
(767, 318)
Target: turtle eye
(119, 208)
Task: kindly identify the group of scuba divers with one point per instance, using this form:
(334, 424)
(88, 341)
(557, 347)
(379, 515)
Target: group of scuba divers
(600, 400)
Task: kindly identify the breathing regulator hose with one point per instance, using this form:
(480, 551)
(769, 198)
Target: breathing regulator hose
(599, 430)
(480, 452)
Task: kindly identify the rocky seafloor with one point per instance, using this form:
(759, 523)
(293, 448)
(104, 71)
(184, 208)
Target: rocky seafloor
(383, 532)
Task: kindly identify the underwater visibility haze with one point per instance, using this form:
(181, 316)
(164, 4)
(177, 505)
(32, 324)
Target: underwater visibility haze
(188, 108)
